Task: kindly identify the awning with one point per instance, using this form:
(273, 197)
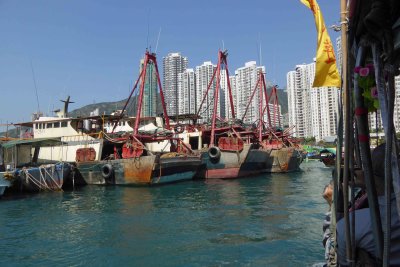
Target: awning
(37, 142)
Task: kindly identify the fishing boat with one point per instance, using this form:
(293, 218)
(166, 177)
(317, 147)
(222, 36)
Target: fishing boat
(74, 133)
(328, 157)
(149, 155)
(227, 148)
(24, 173)
(274, 147)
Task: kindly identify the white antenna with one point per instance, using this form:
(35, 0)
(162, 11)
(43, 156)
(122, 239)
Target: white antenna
(223, 45)
(34, 81)
(259, 52)
(273, 68)
(148, 28)
(158, 38)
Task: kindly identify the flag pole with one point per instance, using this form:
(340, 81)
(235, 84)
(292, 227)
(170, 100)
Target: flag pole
(347, 125)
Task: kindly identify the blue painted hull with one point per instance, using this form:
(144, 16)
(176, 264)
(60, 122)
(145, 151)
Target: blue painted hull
(35, 179)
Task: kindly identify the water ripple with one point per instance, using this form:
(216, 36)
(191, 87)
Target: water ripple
(262, 221)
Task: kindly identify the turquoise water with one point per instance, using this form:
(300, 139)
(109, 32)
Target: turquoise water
(269, 220)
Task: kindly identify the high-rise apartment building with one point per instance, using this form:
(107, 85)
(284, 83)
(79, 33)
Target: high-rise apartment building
(396, 112)
(374, 118)
(187, 92)
(149, 105)
(246, 80)
(299, 108)
(204, 74)
(228, 109)
(173, 64)
(312, 110)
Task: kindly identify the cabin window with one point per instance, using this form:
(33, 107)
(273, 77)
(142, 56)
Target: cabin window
(57, 125)
(49, 125)
(64, 124)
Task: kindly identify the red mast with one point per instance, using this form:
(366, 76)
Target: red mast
(148, 59)
(222, 64)
(274, 95)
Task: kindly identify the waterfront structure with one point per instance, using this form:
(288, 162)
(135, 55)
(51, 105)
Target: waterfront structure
(314, 111)
(149, 108)
(173, 64)
(187, 92)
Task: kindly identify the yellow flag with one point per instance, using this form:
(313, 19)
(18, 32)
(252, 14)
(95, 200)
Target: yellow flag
(326, 73)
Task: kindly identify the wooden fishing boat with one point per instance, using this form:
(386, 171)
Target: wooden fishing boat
(275, 148)
(230, 158)
(227, 149)
(146, 156)
(328, 157)
(25, 174)
(142, 170)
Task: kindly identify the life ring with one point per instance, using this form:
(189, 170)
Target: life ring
(214, 153)
(179, 128)
(107, 171)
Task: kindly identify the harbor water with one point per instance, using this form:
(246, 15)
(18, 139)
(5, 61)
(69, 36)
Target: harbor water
(268, 220)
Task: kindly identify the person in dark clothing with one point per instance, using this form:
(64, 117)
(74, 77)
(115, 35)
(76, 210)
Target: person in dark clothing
(364, 238)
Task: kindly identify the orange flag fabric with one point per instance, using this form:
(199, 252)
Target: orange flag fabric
(326, 72)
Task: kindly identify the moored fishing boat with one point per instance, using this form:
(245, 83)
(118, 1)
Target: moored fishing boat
(148, 155)
(227, 150)
(273, 146)
(25, 173)
(142, 170)
(231, 157)
(328, 157)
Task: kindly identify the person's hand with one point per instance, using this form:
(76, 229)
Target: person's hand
(327, 194)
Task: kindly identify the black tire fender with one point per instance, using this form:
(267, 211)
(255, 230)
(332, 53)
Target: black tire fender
(214, 153)
(107, 171)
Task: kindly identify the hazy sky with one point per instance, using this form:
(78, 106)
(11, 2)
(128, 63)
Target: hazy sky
(90, 49)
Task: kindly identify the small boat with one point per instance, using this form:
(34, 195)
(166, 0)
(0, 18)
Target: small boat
(328, 157)
(25, 173)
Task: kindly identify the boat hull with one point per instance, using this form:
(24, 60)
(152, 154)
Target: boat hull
(144, 170)
(46, 177)
(231, 164)
(4, 183)
(282, 160)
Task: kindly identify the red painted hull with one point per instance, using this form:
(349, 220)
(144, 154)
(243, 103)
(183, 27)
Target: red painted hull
(228, 173)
